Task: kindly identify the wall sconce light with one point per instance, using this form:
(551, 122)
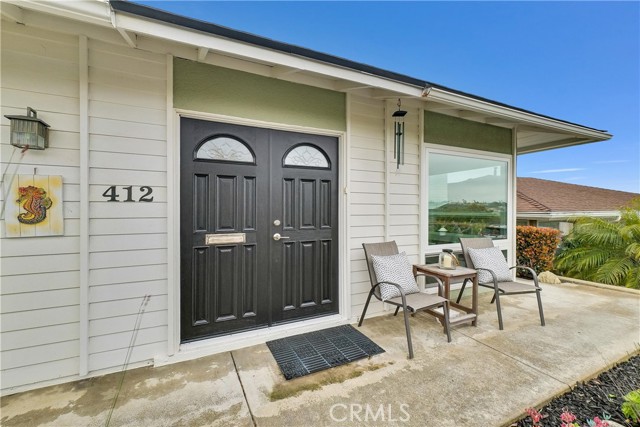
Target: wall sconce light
(29, 131)
(398, 135)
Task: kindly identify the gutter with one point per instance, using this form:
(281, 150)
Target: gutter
(92, 12)
(568, 215)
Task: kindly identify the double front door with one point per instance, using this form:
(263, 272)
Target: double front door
(259, 227)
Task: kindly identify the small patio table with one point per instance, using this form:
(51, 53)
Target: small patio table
(460, 273)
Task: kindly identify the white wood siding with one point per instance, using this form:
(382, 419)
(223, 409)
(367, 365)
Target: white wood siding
(366, 193)
(40, 287)
(128, 240)
(39, 275)
(384, 201)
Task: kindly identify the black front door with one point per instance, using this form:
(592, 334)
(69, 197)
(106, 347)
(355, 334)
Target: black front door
(259, 227)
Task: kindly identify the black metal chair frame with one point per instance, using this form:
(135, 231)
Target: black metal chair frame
(499, 288)
(408, 303)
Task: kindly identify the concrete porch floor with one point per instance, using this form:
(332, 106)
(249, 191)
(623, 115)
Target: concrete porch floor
(484, 377)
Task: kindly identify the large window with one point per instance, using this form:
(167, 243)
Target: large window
(467, 197)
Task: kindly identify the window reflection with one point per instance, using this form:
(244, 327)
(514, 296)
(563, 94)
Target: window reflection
(467, 198)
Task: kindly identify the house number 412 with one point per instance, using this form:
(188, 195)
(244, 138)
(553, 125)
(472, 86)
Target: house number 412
(112, 194)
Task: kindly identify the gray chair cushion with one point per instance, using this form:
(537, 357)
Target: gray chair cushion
(492, 259)
(516, 287)
(396, 269)
(419, 301)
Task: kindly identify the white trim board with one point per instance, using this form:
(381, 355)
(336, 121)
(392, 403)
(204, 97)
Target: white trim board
(207, 347)
(424, 195)
(85, 164)
(173, 217)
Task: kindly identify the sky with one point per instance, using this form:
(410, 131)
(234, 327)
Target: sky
(575, 61)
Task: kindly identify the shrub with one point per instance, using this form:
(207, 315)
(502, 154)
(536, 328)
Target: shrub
(536, 247)
(631, 406)
(604, 251)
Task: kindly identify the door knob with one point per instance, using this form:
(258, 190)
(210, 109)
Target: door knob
(277, 236)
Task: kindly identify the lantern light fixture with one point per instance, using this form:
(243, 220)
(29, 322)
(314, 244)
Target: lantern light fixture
(29, 132)
(398, 135)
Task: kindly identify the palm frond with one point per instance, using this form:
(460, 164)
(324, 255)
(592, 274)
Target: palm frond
(633, 278)
(614, 271)
(583, 258)
(600, 234)
(631, 231)
(633, 251)
(631, 215)
(604, 251)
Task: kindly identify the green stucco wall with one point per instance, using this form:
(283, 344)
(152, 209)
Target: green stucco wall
(456, 132)
(207, 88)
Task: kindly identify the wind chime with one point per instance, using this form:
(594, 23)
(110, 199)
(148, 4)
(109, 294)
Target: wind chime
(398, 131)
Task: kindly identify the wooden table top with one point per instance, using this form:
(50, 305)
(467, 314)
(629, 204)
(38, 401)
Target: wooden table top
(433, 268)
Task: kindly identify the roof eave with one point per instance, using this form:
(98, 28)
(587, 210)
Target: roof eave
(126, 17)
(581, 134)
(197, 38)
(337, 68)
(564, 142)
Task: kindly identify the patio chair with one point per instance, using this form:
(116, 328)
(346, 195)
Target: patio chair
(494, 273)
(392, 282)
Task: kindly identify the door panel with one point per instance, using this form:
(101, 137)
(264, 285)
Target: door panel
(200, 287)
(249, 208)
(226, 205)
(228, 287)
(305, 198)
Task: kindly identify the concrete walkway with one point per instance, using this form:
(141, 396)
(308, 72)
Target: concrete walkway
(483, 378)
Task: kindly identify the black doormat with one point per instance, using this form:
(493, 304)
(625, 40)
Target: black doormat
(304, 354)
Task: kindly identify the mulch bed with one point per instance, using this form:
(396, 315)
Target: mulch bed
(603, 394)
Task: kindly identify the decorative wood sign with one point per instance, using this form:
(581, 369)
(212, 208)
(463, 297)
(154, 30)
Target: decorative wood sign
(34, 206)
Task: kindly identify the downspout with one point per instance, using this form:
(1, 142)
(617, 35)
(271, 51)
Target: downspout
(426, 91)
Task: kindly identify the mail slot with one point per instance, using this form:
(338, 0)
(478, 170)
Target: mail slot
(221, 239)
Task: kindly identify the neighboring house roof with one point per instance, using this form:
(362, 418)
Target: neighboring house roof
(541, 197)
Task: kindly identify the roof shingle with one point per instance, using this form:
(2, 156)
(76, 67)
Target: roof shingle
(541, 195)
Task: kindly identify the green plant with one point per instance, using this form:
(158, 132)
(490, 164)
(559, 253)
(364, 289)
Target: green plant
(604, 251)
(631, 406)
(536, 247)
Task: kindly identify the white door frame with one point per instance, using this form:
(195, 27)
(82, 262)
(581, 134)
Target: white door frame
(175, 350)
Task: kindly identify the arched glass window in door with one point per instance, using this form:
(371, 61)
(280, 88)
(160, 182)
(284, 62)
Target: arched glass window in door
(225, 149)
(306, 156)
